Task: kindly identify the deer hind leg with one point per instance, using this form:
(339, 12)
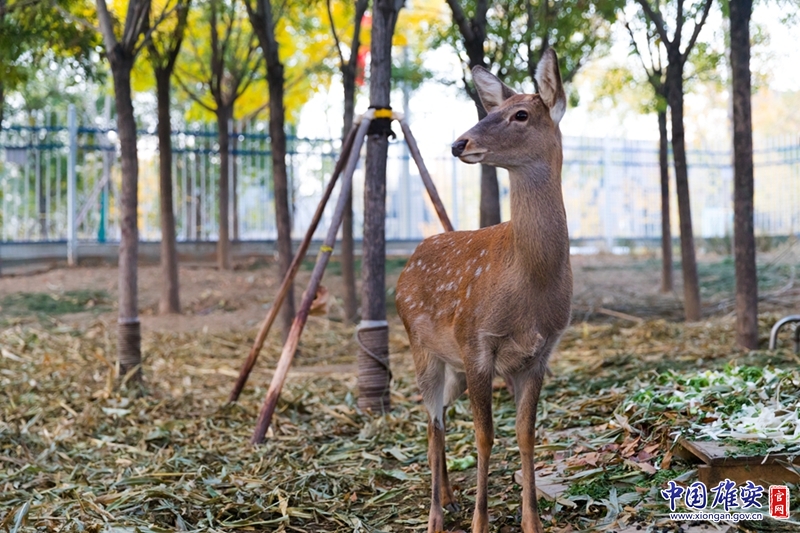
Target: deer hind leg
(479, 381)
(528, 385)
(454, 386)
(431, 382)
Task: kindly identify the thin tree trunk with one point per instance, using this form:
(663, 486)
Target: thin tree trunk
(373, 379)
(277, 137)
(490, 197)
(2, 104)
(235, 184)
(490, 189)
(169, 301)
(691, 287)
(224, 113)
(744, 239)
(129, 343)
(348, 245)
(666, 230)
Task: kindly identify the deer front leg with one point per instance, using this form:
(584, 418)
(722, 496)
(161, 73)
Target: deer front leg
(479, 382)
(528, 386)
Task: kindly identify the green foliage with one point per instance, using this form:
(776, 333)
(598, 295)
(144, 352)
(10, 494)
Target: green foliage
(41, 49)
(577, 29)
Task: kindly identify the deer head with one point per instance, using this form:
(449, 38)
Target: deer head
(519, 129)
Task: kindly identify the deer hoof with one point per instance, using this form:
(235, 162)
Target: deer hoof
(452, 507)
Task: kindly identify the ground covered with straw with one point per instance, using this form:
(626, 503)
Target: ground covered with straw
(76, 454)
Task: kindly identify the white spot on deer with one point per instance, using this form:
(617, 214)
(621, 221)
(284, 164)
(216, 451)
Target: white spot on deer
(419, 262)
(487, 267)
(469, 289)
(451, 286)
(478, 272)
(483, 252)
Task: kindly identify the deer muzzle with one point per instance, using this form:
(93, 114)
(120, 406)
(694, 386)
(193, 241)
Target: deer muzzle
(458, 147)
(467, 151)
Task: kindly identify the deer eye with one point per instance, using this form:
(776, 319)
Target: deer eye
(522, 116)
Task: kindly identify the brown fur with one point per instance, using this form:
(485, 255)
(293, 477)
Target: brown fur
(495, 300)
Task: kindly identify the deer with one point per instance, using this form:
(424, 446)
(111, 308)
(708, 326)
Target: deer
(494, 300)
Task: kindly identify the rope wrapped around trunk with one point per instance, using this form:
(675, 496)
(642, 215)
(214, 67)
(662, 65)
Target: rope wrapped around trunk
(374, 375)
(129, 346)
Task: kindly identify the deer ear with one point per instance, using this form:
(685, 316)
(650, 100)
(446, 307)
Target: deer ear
(551, 90)
(491, 90)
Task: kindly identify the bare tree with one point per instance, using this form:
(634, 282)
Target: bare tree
(510, 38)
(232, 67)
(473, 34)
(348, 69)
(744, 240)
(162, 53)
(676, 59)
(121, 53)
(653, 66)
(263, 21)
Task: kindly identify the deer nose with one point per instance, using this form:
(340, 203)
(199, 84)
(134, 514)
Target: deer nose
(458, 147)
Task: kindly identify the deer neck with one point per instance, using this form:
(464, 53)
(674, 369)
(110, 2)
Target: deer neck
(538, 221)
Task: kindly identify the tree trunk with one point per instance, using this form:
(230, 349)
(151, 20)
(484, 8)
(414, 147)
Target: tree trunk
(348, 245)
(2, 103)
(224, 113)
(691, 287)
(280, 182)
(234, 184)
(490, 196)
(169, 301)
(666, 230)
(129, 340)
(490, 189)
(744, 239)
(373, 376)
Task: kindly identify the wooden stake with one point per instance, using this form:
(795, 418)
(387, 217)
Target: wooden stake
(289, 349)
(426, 177)
(250, 362)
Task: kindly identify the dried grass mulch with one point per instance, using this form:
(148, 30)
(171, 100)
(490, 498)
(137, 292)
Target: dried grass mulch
(76, 455)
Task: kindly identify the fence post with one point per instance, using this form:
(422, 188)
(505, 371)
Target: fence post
(72, 126)
(608, 208)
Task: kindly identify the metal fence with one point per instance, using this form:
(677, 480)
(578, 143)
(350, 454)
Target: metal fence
(611, 186)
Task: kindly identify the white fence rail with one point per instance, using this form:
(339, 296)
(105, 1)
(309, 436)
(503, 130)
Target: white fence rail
(611, 186)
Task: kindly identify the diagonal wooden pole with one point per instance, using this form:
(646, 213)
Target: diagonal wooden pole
(289, 349)
(250, 362)
(423, 172)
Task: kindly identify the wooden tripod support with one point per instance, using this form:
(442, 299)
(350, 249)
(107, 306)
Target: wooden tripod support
(347, 163)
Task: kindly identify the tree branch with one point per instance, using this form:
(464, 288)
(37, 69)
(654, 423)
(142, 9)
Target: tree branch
(656, 19)
(636, 49)
(335, 36)
(461, 20)
(194, 96)
(106, 26)
(697, 27)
